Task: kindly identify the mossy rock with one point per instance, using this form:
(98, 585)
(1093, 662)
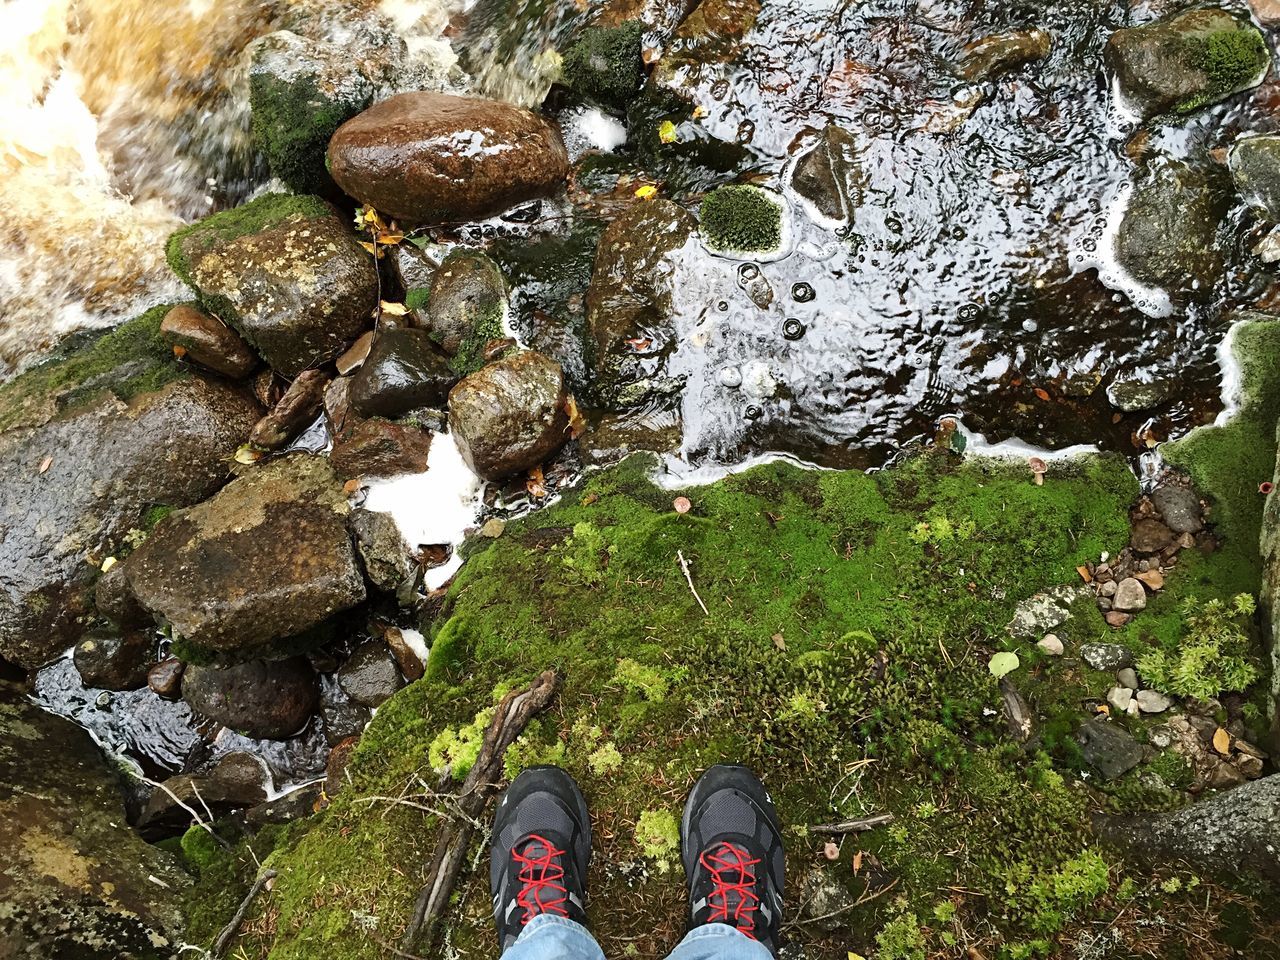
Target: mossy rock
(604, 64)
(741, 219)
(464, 308)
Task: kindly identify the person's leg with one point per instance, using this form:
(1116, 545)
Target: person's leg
(731, 845)
(538, 869)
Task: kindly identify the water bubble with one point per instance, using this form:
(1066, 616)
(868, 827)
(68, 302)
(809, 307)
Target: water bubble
(1030, 326)
(748, 272)
(893, 224)
(843, 231)
(802, 292)
(792, 329)
(753, 412)
(1090, 245)
(968, 311)
(731, 377)
(723, 306)
(746, 130)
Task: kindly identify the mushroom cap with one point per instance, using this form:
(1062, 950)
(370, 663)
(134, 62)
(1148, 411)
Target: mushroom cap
(1037, 465)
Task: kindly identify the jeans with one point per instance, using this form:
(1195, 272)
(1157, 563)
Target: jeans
(549, 937)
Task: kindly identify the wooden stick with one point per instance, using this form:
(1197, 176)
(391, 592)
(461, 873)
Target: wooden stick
(513, 714)
(231, 929)
(684, 565)
(854, 826)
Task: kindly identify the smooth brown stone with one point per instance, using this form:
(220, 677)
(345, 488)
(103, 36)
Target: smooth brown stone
(208, 342)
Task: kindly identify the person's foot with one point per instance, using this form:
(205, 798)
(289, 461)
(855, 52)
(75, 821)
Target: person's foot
(731, 844)
(540, 851)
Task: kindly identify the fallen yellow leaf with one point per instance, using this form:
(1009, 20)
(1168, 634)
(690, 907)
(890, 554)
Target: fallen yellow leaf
(1222, 741)
(246, 454)
(647, 191)
(108, 563)
(667, 132)
(394, 309)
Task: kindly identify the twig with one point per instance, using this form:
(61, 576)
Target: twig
(854, 826)
(512, 716)
(194, 815)
(865, 898)
(231, 929)
(684, 565)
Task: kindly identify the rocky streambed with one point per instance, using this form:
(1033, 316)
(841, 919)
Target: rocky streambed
(434, 411)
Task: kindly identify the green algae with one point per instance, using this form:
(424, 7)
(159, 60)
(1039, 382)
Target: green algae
(1231, 59)
(127, 361)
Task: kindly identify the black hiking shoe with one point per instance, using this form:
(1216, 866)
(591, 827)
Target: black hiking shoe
(731, 844)
(540, 851)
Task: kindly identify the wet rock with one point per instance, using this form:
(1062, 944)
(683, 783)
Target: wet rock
(286, 272)
(1106, 656)
(297, 804)
(1179, 508)
(603, 65)
(1149, 535)
(630, 299)
(436, 158)
(1187, 61)
(343, 718)
(1107, 748)
(1226, 834)
(380, 448)
(208, 341)
(237, 781)
(1267, 11)
(659, 18)
(991, 56)
(77, 881)
(110, 464)
(404, 371)
(1168, 235)
(1255, 167)
(1120, 698)
(113, 598)
(1149, 701)
(1045, 611)
(614, 437)
(416, 269)
(293, 413)
(387, 562)
(337, 405)
(411, 662)
(112, 660)
(165, 678)
(1051, 645)
(355, 355)
(1134, 396)
(1131, 596)
(829, 176)
(268, 557)
(468, 301)
(370, 676)
(265, 700)
(510, 416)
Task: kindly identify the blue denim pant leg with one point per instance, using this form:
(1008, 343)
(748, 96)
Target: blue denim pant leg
(719, 941)
(548, 937)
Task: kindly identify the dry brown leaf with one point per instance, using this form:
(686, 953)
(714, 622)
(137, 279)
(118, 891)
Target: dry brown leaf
(1085, 575)
(45, 464)
(577, 422)
(1222, 741)
(857, 862)
(1042, 394)
(351, 487)
(179, 351)
(536, 484)
(780, 642)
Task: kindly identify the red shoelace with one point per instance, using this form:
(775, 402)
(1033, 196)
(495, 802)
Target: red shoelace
(731, 871)
(540, 873)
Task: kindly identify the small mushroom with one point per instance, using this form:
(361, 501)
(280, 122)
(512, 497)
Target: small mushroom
(1039, 468)
(682, 504)
(1266, 487)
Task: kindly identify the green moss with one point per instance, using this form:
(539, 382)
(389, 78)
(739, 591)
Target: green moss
(200, 851)
(658, 836)
(741, 219)
(417, 298)
(292, 123)
(901, 939)
(128, 361)
(1215, 656)
(604, 64)
(268, 210)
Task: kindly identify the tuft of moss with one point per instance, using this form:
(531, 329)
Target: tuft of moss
(227, 225)
(658, 836)
(1232, 59)
(127, 361)
(292, 122)
(605, 64)
(741, 219)
(417, 298)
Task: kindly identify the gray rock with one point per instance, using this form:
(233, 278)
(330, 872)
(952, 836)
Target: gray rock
(370, 675)
(1168, 235)
(433, 157)
(110, 464)
(468, 301)
(404, 371)
(286, 272)
(1225, 835)
(387, 562)
(1179, 508)
(343, 717)
(1131, 596)
(268, 557)
(165, 678)
(1149, 535)
(829, 177)
(1150, 701)
(827, 900)
(630, 299)
(77, 881)
(1128, 677)
(297, 804)
(1133, 396)
(1120, 698)
(510, 415)
(114, 599)
(1045, 611)
(1106, 656)
(415, 267)
(266, 700)
(1107, 748)
(1174, 65)
(379, 448)
(1051, 644)
(1255, 168)
(111, 660)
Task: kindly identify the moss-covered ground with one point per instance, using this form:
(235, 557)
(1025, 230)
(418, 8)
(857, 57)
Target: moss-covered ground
(844, 655)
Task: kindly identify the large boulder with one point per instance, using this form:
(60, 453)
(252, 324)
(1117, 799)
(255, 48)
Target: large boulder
(264, 699)
(435, 158)
(1255, 168)
(1168, 236)
(89, 452)
(511, 415)
(76, 881)
(269, 557)
(629, 301)
(1187, 61)
(286, 272)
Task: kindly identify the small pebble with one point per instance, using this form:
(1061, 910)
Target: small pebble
(1128, 677)
(1117, 619)
(731, 377)
(1152, 701)
(1120, 698)
(1051, 645)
